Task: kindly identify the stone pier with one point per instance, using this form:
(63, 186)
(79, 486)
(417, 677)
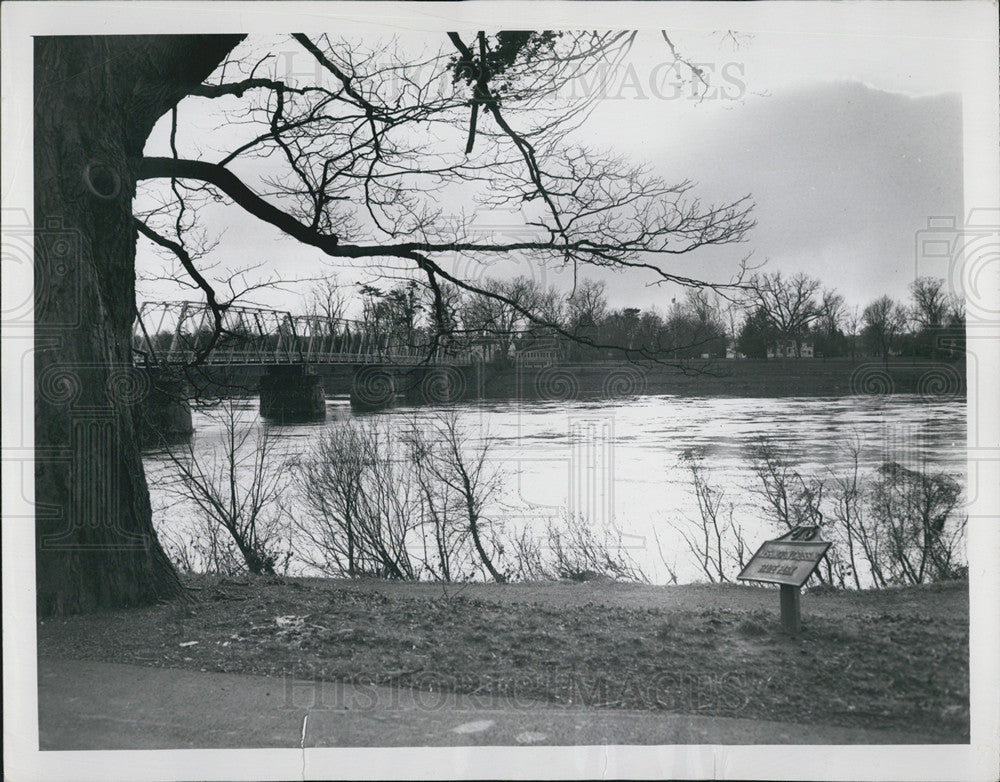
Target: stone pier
(163, 416)
(373, 388)
(376, 387)
(440, 385)
(292, 393)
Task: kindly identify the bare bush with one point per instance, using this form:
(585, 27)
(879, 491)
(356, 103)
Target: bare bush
(913, 514)
(458, 484)
(889, 526)
(201, 547)
(847, 496)
(236, 486)
(362, 501)
(378, 496)
(791, 499)
(574, 549)
(714, 539)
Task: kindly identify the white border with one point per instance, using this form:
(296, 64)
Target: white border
(972, 22)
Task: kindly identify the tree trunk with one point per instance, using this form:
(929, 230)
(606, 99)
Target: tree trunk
(96, 101)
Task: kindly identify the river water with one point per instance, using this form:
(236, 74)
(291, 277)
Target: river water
(619, 463)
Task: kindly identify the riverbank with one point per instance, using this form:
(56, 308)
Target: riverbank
(896, 659)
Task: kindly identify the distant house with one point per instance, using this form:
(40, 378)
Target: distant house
(733, 353)
(540, 357)
(543, 353)
(786, 348)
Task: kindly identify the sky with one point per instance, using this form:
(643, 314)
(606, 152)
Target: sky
(847, 140)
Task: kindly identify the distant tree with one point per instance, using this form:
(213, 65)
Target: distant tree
(853, 322)
(791, 304)
(588, 304)
(884, 320)
(551, 304)
(392, 314)
(826, 333)
(587, 307)
(930, 310)
(327, 301)
(499, 312)
(953, 334)
(930, 301)
(445, 305)
(757, 333)
(622, 327)
(696, 325)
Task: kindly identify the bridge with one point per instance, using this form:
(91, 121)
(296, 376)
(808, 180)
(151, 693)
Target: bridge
(177, 333)
(288, 352)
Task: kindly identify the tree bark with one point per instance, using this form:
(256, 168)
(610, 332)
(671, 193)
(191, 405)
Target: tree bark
(96, 102)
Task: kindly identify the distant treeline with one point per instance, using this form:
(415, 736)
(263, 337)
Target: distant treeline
(769, 315)
(504, 320)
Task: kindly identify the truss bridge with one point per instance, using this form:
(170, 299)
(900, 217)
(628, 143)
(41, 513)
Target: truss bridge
(180, 333)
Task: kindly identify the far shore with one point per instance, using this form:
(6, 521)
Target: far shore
(864, 377)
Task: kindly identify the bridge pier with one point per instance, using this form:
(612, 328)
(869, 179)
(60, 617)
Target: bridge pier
(440, 385)
(163, 417)
(378, 386)
(290, 393)
(373, 388)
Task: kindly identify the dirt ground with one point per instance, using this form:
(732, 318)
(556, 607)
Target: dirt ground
(895, 659)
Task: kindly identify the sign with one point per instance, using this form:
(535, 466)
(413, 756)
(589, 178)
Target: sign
(789, 560)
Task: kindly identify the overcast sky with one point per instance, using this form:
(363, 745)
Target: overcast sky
(848, 142)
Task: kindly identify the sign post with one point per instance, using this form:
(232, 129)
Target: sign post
(791, 614)
(788, 561)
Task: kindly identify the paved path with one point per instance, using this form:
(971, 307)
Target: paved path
(94, 705)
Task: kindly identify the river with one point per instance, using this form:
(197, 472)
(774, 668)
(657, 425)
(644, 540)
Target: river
(620, 463)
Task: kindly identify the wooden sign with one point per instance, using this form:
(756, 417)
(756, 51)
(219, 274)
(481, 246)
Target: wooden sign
(790, 559)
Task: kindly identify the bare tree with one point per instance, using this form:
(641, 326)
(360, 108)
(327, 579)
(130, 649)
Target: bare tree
(328, 302)
(853, 321)
(354, 186)
(884, 320)
(930, 301)
(341, 164)
(790, 303)
(588, 304)
(931, 305)
(499, 310)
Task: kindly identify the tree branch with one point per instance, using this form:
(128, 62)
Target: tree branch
(240, 87)
(188, 264)
(232, 186)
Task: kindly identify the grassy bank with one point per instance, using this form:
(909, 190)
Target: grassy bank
(892, 659)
